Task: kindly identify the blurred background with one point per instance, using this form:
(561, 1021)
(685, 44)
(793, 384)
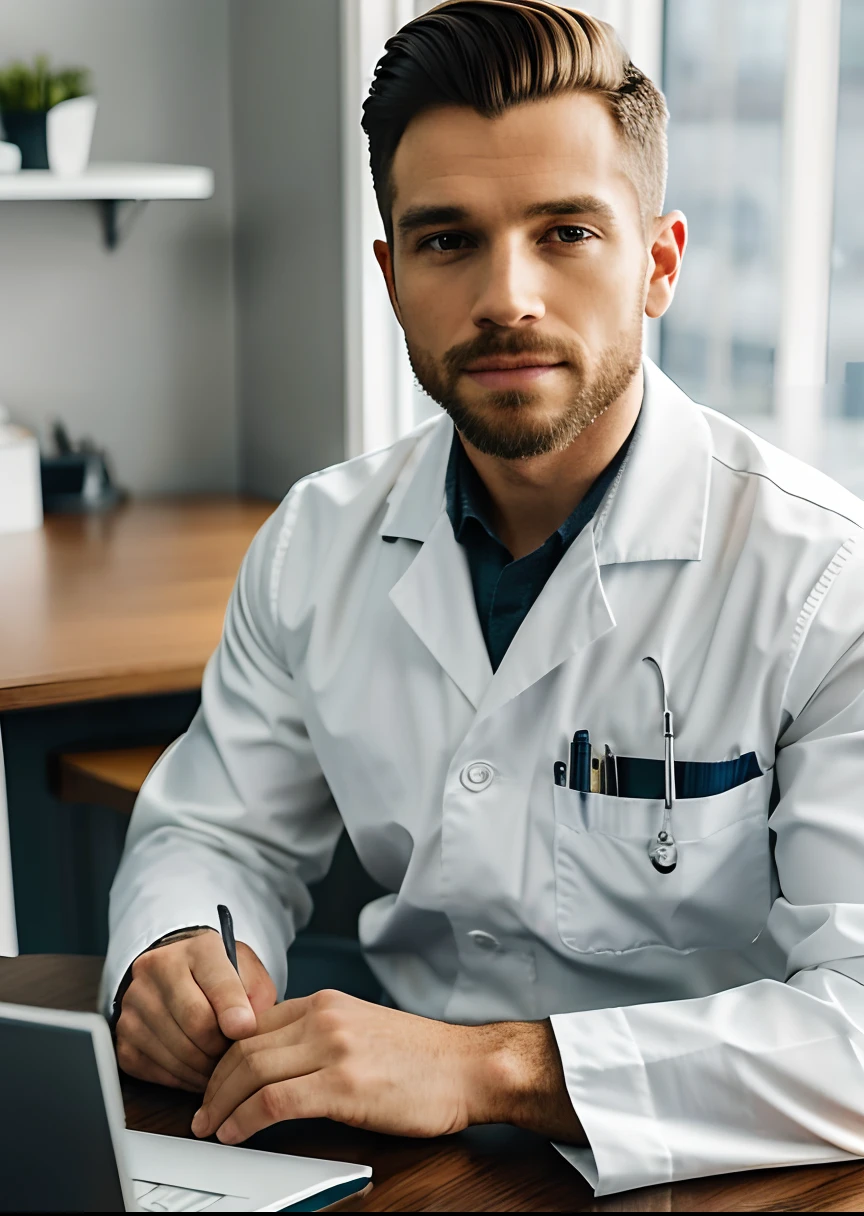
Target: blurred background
(240, 341)
(201, 305)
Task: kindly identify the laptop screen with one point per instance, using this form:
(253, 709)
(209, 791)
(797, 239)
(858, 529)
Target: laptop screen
(56, 1152)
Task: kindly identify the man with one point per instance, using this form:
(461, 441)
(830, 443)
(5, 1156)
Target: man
(663, 979)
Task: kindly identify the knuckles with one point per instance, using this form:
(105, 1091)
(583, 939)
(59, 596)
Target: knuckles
(274, 1106)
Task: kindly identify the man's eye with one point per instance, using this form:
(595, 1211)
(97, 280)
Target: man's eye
(571, 234)
(445, 242)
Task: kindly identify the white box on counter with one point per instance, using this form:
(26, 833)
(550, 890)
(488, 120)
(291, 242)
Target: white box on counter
(20, 480)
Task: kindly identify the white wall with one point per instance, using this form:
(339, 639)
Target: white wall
(134, 348)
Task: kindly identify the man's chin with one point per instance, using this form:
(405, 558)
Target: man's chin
(512, 433)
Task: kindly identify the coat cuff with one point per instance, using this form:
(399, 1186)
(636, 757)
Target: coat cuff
(608, 1086)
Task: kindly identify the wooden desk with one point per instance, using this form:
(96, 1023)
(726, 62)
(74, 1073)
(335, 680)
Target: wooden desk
(122, 604)
(484, 1169)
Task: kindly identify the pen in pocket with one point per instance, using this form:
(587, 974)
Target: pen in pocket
(580, 761)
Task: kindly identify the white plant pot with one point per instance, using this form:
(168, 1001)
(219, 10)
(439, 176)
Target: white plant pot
(69, 133)
(10, 158)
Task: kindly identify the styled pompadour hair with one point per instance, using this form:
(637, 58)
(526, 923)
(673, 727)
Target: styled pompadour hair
(494, 54)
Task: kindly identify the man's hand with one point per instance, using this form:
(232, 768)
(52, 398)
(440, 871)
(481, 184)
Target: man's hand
(184, 1005)
(330, 1055)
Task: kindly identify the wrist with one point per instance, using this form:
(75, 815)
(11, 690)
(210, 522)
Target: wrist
(500, 1078)
(514, 1075)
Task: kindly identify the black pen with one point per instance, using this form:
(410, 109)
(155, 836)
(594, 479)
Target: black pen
(226, 924)
(580, 761)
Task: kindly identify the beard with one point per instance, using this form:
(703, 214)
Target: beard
(506, 424)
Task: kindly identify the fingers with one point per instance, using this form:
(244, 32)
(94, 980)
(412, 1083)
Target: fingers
(259, 987)
(286, 1019)
(224, 990)
(134, 1062)
(146, 1005)
(187, 1006)
(247, 1067)
(137, 1043)
(184, 1005)
(303, 1097)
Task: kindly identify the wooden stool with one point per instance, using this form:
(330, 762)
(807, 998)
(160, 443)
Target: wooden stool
(112, 778)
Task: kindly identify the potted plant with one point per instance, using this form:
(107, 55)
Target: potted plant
(48, 114)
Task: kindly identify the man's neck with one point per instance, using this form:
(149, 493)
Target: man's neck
(530, 498)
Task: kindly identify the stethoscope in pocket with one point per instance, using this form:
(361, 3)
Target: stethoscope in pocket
(663, 850)
(591, 772)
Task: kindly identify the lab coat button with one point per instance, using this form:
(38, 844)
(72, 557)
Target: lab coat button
(484, 941)
(476, 776)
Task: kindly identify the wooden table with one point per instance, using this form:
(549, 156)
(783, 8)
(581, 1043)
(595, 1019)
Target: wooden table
(484, 1169)
(121, 604)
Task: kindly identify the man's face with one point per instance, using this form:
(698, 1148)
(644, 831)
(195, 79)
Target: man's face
(520, 268)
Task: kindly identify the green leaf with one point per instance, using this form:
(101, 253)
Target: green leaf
(23, 87)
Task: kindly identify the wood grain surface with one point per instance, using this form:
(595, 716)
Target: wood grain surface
(485, 1169)
(129, 603)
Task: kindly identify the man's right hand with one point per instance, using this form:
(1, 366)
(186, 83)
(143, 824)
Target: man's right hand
(185, 1005)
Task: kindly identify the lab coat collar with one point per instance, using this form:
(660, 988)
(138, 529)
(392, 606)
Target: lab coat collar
(657, 509)
(417, 498)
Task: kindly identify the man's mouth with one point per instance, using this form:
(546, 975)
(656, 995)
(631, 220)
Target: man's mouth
(510, 371)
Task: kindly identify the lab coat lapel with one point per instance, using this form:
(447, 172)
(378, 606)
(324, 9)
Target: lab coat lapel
(569, 614)
(656, 509)
(436, 598)
(434, 595)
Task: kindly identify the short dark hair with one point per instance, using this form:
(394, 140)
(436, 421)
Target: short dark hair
(494, 54)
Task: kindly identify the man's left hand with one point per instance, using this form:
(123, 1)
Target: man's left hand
(332, 1056)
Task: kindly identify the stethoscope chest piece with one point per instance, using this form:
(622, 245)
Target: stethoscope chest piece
(663, 852)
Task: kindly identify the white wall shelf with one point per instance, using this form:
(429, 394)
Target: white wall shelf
(109, 186)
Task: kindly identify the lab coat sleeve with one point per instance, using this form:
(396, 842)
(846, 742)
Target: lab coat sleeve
(237, 811)
(770, 1073)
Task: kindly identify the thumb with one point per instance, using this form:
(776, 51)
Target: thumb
(224, 989)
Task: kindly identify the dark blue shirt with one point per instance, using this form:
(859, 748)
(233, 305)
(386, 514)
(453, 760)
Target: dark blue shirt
(504, 589)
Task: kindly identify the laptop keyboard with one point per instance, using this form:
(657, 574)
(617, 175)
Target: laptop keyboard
(158, 1197)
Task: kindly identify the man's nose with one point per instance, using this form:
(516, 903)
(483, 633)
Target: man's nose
(509, 293)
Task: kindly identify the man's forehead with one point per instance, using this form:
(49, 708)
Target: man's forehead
(565, 146)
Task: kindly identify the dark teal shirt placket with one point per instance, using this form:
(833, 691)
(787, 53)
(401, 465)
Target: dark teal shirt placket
(504, 589)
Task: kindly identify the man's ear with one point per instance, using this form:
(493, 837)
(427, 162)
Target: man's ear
(384, 258)
(664, 262)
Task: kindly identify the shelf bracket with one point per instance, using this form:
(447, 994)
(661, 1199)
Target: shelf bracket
(109, 209)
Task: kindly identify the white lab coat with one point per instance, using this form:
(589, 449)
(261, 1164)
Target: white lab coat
(709, 1020)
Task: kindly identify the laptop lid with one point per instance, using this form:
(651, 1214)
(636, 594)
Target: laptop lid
(61, 1117)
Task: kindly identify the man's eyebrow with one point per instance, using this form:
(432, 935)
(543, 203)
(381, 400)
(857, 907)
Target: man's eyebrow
(429, 216)
(582, 204)
(423, 217)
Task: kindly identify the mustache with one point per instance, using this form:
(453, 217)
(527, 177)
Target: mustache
(491, 342)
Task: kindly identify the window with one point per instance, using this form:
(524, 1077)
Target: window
(724, 80)
(844, 430)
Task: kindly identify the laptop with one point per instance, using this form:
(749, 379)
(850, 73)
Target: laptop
(64, 1145)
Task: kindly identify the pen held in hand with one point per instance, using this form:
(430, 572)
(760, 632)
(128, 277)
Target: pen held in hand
(226, 925)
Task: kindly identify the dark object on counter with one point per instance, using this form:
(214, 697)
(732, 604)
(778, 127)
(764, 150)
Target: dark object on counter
(77, 479)
(28, 129)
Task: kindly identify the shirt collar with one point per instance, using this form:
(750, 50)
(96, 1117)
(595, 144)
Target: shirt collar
(466, 496)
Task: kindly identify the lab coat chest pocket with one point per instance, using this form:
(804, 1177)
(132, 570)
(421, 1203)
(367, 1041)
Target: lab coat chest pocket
(611, 899)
